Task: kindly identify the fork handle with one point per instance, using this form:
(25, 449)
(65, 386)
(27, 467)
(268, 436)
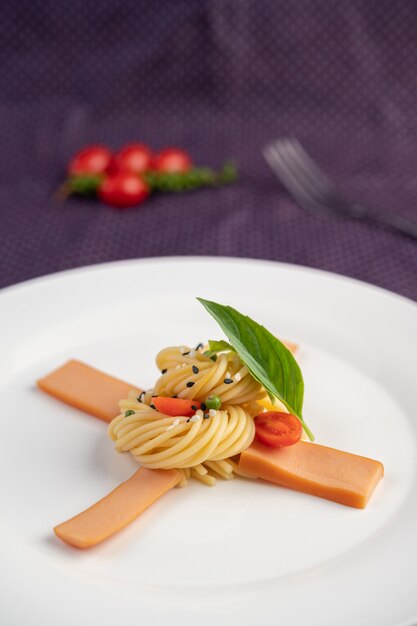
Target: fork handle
(388, 218)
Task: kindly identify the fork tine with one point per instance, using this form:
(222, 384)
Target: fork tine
(318, 190)
(274, 157)
(289, 155)
(309, 167)
(313, 176)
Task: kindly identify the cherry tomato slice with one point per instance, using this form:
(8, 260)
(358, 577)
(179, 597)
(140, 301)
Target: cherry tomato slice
(135, 158)
(172, 160)
(176, 406)
(90, 160)
(123, 190)
(278, 429)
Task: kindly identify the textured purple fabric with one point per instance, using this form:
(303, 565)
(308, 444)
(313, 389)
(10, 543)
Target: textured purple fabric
(220, 78)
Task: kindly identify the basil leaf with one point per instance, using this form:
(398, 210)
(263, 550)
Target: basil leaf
(266, 357)
(220, 346)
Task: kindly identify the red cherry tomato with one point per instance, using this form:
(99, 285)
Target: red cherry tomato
(123, 190)
(176, 406)
(90, 160)
(278, 429)
(135, 158)
(172, 160)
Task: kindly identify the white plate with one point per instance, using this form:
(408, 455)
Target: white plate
(243, 552)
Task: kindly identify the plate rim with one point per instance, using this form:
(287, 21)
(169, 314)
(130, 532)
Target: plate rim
(102, 266)
(367, 288)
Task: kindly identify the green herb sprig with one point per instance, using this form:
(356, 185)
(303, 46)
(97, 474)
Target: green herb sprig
(266, 357)
(173, 182)
(193, 179)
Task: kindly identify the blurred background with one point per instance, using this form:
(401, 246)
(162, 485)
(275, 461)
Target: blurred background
(220, 79)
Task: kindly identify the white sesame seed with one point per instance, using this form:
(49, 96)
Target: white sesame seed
(212, 412)
(178, 367)
(238, 377)
(198, 415)
(183, 349)
(227, 375)
(192, 354)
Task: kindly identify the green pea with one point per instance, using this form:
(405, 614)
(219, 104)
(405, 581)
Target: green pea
(213, 402)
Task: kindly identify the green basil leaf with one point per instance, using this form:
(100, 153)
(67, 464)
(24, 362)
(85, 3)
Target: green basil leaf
(266, 357)
(220, 346)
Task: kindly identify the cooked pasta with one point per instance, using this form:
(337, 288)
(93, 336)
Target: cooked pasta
(201, 446)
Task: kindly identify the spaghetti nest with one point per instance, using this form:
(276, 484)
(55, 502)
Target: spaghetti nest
(203, 445)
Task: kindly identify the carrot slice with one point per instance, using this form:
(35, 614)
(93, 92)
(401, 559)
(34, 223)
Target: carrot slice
(86, 388)
(318, 470)
(176, 406)
(116, 510)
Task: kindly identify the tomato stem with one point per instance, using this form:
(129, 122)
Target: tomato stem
(63, 192)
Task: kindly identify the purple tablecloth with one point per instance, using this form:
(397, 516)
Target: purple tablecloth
(220, 78)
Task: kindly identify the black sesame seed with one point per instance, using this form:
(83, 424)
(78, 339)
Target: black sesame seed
(198, 346)
(194, 407)
(152, 406)
(189, 419)
(190, 384)
(140, 397)
(164, 371)
(227, 381)
(174, 396)
(203, 406)
(186, 353)
(195, 369)
(206, 416)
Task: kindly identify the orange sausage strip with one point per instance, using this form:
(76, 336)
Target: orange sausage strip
(116, 510)
(320, 471)
(86, 388)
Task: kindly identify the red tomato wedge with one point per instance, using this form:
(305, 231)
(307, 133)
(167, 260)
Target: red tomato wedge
(177, 407)
(278, 429)
(135, 157)
(90, 160)
(172, 160)
(123, 190)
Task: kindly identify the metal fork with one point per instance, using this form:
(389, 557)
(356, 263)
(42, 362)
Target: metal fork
(314, 192)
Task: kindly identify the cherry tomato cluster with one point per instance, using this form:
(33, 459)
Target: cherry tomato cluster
(127, 177)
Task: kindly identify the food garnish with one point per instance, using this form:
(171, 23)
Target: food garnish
(277, 430)
(266, 357)
(122, 190)
(172, 160)
(126, 178)
(176, 406)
